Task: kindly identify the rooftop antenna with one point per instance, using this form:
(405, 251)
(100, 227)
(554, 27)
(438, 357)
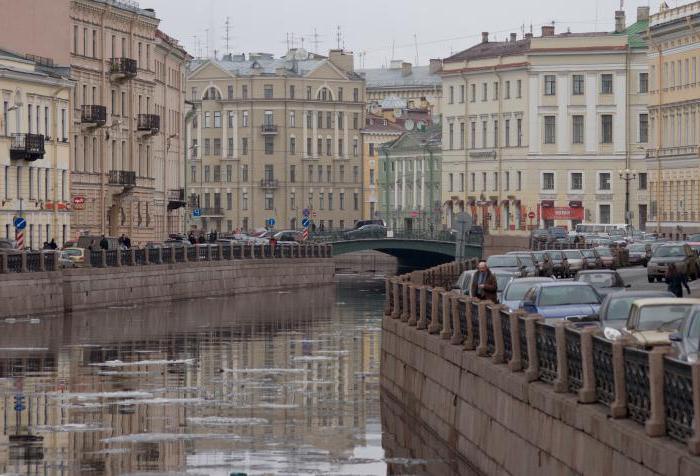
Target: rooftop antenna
(415, 41)
(339, 36)
(207, 45)
(393, 48)
(316, 41)
(227, 37)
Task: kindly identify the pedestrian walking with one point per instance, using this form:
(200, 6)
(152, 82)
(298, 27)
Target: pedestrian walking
(46, 246)
(676, 280)
(53, 244)
(127, 242)
(104, 244)
(484, 284)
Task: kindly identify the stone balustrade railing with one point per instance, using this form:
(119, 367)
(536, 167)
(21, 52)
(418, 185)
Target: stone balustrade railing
(49, 260)
(649, 387)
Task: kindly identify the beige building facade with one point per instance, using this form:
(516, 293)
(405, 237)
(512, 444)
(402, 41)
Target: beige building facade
(544, 131)
(273, 136)
(415, 87)
(34, 150)
(674, 107)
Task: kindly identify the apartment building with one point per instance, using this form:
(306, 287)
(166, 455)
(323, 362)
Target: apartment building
(674, 104)
(549, 130)
(34, 149)
(273, 136)
(126, 115)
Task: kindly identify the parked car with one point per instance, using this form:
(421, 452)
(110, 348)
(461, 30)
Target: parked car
(592, 259)
(686, 342)
(680, 254)
(75, 255)
(651, 321)
(7, 245)
(562, 300)
(509, 263)
(528, 261)
(515, 290)
(366, 231)
(616, 307)
(560, 265)
(70, 244)
(575, 260)
(606, 257)
(464, 282)
(640, 253)
(503, 277)
(360, 223)
(85, 241)
(288, 236)
(605, 281)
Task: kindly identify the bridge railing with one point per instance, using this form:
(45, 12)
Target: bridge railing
(348, 235)
(651, 388)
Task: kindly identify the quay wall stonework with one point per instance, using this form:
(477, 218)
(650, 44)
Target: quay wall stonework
(79, 289)
(501, 423)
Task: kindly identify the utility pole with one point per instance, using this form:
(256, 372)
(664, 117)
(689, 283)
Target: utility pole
(227, 37)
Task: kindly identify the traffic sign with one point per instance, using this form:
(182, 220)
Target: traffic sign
(306, 212)
(197, 212)
(20, 223)
(19, 402)
(305, 222)
(531, 215)
(271, 222)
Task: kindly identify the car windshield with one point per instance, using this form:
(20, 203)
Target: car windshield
(517, 289)
(669, 251)
(72, 253)
(526, 260)
(502, 281)
(619, 308)
(588, 253)
(599, 280)
(604, 252)
(554, 254)
(539, 256)
(653, 317)
(637, 247)
(574, 254)
(502, 261)
(566, 295)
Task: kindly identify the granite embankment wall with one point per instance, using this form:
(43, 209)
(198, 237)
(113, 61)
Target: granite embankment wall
(512, 394)
(77, 289)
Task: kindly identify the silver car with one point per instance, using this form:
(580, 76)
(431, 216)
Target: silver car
(576, 261)
(687, 341)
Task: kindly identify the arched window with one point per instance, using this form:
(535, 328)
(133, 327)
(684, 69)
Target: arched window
(212, 94)
(324, 94)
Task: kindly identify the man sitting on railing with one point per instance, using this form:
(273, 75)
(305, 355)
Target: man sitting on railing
(484, 284)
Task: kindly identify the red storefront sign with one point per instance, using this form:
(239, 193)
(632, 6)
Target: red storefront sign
(562, 213)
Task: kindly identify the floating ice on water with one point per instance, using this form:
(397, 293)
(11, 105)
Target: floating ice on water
(264, 371)
(275, 406)
(225, 421)
(69, 428)
(157, 437)
(311, 358)
(119, 363)
(98, 395)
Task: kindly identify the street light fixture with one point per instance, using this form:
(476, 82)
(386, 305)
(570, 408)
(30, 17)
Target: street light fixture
(627, 175)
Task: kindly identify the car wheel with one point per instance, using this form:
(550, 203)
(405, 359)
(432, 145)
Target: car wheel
(650, 278)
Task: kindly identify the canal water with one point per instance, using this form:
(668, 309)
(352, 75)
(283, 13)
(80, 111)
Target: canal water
(273, 383)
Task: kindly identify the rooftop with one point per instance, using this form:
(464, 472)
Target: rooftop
(419, 76)
(491, 49)
(129, 5)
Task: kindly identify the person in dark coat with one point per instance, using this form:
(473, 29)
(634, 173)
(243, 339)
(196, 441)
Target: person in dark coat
(676, 281)
(104, 244)
(484, 284)
(127, 242)
(53, 244)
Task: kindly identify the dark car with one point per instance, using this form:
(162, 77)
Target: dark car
(639, 253)
(604, 280)
(526, 258)
(7, 245)
(510, 263)
(592, 259)
(360, 223)
(367, 231)
(680, 254)
(560, 265)
(616, 307)
(562, 300)
(288, 236)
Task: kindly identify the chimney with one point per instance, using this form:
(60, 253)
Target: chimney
(342, 59)
(619, 21)
(513, 37)
(642, 13)
(547, 30)
(435, 66)
(528, 36)
(406, 69)
(484, 36)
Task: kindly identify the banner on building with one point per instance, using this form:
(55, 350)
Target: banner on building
(563, 213)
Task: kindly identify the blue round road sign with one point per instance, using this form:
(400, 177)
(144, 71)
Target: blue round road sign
(305, 222)
(20, 223)
(271, 222)
(197, 212)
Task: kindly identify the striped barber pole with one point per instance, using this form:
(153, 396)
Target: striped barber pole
(19, 237)
(306, 234)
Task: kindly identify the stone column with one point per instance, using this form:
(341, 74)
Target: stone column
(103, 256)
(160, 255)
(56, 263)
(3, 263)
(457, 337)
(406, 307)
(387, 300)
(586, 393)
(694, 441)
(533, 363)
(516, 360)
(482, 350)
(133, 256)
(396, 311)
(119, 258)
(561, 384)
(469, 343)
(656, 424)
(499, 345)
(413, 319)
(434, 326)
(618, 408)
(423, 302)
(147, 259)
(173, 257)
(446, 332)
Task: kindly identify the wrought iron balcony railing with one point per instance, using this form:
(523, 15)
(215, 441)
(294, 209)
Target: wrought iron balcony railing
(123, 68)
(148, 122)
(27, 147)
(125, 178)
(93, 114)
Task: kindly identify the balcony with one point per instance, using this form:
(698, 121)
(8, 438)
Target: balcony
(268, 129)
(149, 123)
(212, 212)
(124, 178)
(269, 184)
(27, 147)
(93, 115)
(678, 151)
(176, 199)
(122, 69)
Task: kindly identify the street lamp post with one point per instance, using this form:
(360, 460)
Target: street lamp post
(627, 175)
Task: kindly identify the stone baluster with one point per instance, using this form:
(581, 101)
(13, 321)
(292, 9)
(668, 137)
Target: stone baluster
(533, 363)
(160, 255)
(656, 423)
(446, 332)
(119, 258)
(56, 262)
(434, 326)
(208, 252)
(516, 359)
(694, 441)
(423, 315)
(173, 256)
(586, 393)
(387, 293)
(497, 325)
(413, 318)
(618, 407)
(103, 258)
(457, 337)
(561, 384)
(132, 256)
(406, 303)
(483, 349)
(3, 265)
(469, 343)
(396, 312)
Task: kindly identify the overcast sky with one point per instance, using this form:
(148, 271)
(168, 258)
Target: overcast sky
(376, 30)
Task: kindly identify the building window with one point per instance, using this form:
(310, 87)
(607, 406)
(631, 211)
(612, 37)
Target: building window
(355, 120)
(548, 181)
(355, 147)
(484, 91)
(230, 92)
(217, 147)
(245, 119)
(217, 119)
(606, 128)
(604, 214)
(269, 145)
(329, 120)
(230, 119)
(244, 91)
(644, 128)
(267, 91)
(549, 130)
(244, 146)
(495, 134)
(450, 181)
(484, 133)
(644, 81)
(472, 142)
(606, 84)
(340, 120)
(206, 173)
(229, 201)
(340, 94)
(329, 147)
(520, 132)
(229, 173)
(461, 93)
(292, 119)
(519, 89)
(355, 201)
(292, 200)
(483, 181)
(520, 180)
(578, 85)
(495, 181)
(473, 98)
(472, 180)
(461, 182)
(341, 148)
(451, 135)
(452, 95)
(292, 146)
(550, 85)
(207, 147)
(371, 149)
(341, 199)
(507, 91)
(495, 91)
(643, 181)
(244, 173)
(461, 135)
(330, 200)
(604, 181)
(577, 137)
(291, 91)
(355, 174)
(506, 180)
(507, 133)
(576, 181)
(269, 201)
